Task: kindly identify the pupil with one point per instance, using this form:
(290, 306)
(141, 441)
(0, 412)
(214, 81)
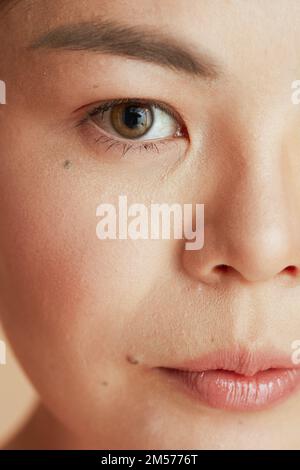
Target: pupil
(134, 117)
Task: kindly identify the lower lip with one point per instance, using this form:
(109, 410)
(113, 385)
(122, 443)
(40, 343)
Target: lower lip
(229, 390)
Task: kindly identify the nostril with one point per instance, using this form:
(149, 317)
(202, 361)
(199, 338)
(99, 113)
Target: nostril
(222, 268)
(292, 270)
(225, 270)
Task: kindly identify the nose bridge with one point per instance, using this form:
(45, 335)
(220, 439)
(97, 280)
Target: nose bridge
(258, 211)
(259, 223)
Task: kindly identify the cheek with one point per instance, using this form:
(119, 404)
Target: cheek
(56, 264)
(68, 299)
(60, 286)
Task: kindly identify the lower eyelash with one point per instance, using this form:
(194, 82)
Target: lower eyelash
(148, 146)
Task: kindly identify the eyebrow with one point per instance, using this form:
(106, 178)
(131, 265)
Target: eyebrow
(136, 42)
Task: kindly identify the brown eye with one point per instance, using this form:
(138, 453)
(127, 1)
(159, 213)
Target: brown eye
(135, 120)
(131, 120)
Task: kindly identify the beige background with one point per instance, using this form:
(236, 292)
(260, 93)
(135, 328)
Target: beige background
(16, 395)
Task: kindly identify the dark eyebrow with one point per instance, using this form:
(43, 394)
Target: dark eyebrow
(140, 42)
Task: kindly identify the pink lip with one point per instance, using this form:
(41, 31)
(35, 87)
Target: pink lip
(238, 380)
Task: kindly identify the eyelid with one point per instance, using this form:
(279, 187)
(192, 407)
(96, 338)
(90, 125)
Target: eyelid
(143, 101)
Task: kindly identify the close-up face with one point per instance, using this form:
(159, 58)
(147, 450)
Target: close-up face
(142, 343)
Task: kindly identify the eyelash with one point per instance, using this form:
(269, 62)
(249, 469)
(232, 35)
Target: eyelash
(127, 146)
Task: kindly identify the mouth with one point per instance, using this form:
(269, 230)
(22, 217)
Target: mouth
(241, 381)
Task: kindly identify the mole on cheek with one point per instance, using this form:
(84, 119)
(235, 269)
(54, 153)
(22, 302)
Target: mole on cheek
(131, 360)
(67, 164)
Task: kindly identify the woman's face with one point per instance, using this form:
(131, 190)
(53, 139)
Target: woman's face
(94, 321)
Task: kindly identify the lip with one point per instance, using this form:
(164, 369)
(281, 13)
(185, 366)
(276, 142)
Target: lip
(238, 380)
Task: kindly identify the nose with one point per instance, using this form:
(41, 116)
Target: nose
(252, 223)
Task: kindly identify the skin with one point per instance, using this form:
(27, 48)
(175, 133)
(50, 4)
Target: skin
(90, 321)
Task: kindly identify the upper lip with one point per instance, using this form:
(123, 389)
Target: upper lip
(241, 361)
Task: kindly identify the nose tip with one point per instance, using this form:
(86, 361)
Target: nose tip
(265, 254)
(259, 257)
